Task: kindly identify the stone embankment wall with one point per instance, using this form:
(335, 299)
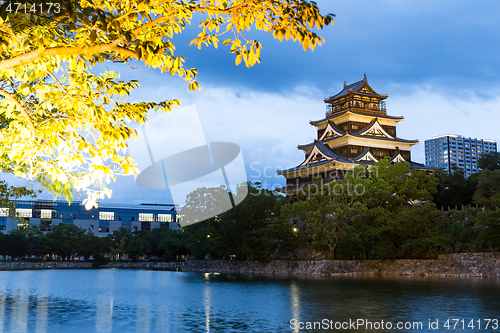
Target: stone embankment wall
(82, 264)
(460, 264)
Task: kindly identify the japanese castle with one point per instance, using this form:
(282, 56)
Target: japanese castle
(356, 131)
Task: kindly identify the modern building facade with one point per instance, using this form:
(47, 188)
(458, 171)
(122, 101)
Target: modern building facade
(445, 151)
(97, 221)
(356, 131)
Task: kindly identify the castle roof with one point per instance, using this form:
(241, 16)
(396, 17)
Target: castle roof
(316, 122)
(361, 88)
(396, 139)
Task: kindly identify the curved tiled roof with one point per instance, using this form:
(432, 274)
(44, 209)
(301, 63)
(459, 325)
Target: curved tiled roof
(360, 156)
(396, 139)
(335, 127)
(398, 152)
(355, 87)
(304, 166)
(327, 152)
(314, 122)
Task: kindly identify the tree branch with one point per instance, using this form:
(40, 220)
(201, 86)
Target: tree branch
(223, 11)
(49, 119)
(21, 108)
(61, 51)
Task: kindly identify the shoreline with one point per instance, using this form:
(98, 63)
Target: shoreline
(453, 265)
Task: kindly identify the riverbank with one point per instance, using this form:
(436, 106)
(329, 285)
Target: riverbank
(458, 264)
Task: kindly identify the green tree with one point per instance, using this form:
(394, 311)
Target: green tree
(489, 234)
(118, 241)
(250, 230)
(245, 231)
(16, 243)
(394, 187)
(137, 245)
(454, 189)
(421, 232)
(64, 239)
(488, 189)
(67, 127)
(172, 244)
(464, 229)
(330, 210)
(37, 241)
(489, 161)
(89, 245)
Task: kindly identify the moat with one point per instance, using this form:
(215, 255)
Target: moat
(131, 300)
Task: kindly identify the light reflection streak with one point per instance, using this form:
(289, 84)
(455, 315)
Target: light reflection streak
(42, 305)
(295, 297)
(207, 302)
(143, 306)
(2, 311)
(104, 303)
(42, 314)
(19, 312)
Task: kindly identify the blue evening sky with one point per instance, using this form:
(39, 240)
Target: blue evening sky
(437, 60)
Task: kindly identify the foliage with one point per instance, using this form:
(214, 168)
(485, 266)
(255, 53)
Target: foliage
(454, 189)
(421, 231)
(137, 245)
(16, 243)
(64, 239)
(251, 230)
(488, 188)
(379, 213)
(89, 245)
(9, 193)
(171, 243)
(330, 211)
(67, 127)
(490, 161)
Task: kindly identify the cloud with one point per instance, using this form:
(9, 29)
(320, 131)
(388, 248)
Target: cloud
(268, 126)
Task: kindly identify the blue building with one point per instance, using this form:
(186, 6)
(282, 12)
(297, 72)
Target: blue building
(445, 151)
(97, 221)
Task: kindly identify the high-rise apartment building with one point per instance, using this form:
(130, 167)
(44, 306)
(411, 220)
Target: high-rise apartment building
(444, 151)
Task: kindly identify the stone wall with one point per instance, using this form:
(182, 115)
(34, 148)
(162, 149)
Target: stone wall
(460, 264)
(82, 264)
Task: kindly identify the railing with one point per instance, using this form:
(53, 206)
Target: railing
(330, 111)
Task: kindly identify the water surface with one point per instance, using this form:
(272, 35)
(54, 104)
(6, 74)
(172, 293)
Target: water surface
(127, 300)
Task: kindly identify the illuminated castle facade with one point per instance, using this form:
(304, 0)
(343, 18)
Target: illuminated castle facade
(356, 131)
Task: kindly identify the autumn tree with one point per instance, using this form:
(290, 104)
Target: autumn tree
(67, 127)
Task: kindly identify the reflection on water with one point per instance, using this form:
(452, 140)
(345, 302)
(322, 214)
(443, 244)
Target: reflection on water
(294, 296)
(111, 300)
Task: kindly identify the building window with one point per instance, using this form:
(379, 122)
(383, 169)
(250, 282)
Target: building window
(4, 212)
(109, 216)
(146, 217)
(24, 212)
(45, 213)
(164, 217)
(146, 226)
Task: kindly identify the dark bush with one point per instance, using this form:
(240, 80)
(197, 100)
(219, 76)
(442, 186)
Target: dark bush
(100, 260)
(34, 259)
